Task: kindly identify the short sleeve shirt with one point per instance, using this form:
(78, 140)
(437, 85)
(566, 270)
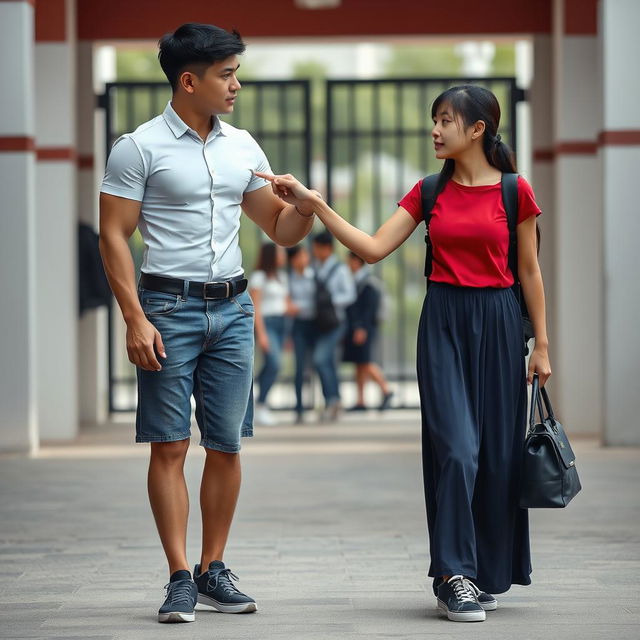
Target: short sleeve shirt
(190, 193)
(273, 301)
(469, 232)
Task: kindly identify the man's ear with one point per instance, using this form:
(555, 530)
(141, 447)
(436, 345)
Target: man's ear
(186, 81)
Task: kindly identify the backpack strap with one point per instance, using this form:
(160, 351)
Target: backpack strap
(509, 185)
(429, 190)
(331, 272)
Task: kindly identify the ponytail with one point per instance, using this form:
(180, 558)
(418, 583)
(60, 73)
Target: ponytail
(499, 154)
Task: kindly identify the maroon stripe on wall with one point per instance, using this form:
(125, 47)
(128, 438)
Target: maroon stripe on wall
(56, 153)
(621, 137)
(17, 143)
(544, 155)
(576, 148)
(85, 161)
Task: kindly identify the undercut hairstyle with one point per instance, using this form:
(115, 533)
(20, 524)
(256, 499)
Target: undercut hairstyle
(195, 47)
(324, 237)
(292, 252)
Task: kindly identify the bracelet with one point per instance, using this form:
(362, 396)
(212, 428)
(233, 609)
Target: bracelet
(304, 215)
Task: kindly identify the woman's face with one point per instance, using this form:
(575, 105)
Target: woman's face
(450, 136)
(301, 260)
(281, 257)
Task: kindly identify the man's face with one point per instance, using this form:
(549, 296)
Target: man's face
(321, 251)
(216, 89)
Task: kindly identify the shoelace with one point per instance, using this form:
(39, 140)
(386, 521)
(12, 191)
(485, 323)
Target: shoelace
(474, 588)
(180, 592)
(223, 578)
(462, 589)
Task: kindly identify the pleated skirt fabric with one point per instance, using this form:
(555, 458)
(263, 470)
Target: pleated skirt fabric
(473, 391)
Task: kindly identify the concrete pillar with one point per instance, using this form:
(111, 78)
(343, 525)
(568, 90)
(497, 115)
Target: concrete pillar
(543, 168)
(620, 160)
(18, 417)
(93, 381)
(577, 221)
(56, 233)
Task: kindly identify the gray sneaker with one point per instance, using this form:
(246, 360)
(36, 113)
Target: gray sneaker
(216, 589)
(457, 599)
(180, 602)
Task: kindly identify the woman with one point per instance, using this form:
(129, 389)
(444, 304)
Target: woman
(269, 291)
(362, 331)
(471, 367)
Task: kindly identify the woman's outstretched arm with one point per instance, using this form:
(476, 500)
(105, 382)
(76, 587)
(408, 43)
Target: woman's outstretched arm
(370, 248)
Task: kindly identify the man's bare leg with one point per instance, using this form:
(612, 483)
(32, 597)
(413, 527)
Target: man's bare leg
(169, 499)
(218, 497)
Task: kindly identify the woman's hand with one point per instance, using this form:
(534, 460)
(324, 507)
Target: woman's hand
(359, 336)
(539, 363)
(292, 191)
(263, 342)
(292, 309)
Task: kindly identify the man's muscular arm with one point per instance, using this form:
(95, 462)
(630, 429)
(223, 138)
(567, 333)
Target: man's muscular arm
(118, 221)
(282, 222)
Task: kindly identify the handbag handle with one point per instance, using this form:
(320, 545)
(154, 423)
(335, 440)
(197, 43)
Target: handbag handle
(535, 402)
(538, 396)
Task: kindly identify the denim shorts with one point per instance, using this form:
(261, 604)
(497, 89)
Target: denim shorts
(209, 346)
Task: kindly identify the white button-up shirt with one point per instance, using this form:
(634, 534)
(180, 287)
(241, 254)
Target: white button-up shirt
(190, 193)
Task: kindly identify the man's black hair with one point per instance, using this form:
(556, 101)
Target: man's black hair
(198, 46)
(324, 237)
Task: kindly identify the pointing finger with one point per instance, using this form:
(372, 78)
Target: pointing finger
(265, 176)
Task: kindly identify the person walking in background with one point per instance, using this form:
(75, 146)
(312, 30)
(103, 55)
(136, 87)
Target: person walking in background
(337, 279)
(471, 352)
(302, 288)
(184, 179)
(362, 330)
(270, 294)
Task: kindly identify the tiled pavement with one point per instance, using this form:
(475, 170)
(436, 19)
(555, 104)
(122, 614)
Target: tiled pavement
(329, 538)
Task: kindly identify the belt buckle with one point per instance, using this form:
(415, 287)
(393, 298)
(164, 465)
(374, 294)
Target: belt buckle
(227, 288)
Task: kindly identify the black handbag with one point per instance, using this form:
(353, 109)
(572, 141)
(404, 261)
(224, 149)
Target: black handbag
(549, 475)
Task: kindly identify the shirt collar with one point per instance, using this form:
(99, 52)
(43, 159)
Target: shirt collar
(362, 273)
(179, 127)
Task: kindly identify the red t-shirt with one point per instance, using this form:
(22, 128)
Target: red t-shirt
(469, 232)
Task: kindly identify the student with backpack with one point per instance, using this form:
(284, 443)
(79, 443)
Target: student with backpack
(334, 292)
(363, 318)
(471, 349)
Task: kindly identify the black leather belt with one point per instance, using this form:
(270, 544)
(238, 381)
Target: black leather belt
(206, 290)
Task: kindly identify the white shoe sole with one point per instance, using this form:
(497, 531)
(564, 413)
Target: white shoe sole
(464, 616)
(491, 606)
(205, 602)
(176, 616)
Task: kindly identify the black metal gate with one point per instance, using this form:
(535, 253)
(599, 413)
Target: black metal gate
(278, 115)
(378, 145)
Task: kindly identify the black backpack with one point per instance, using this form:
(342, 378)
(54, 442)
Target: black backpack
(432, 186)
(326, 318)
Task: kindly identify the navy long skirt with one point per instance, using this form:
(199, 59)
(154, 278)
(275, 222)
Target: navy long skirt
(473, 394)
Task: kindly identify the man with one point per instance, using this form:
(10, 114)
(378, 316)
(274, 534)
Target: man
(339, 282)
(183, 178)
